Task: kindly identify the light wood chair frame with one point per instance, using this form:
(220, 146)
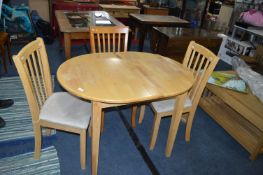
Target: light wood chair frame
(201, 62)
(109, 39)
(100, 43)
(33, 68)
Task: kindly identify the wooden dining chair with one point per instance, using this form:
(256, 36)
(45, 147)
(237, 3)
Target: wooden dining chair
(110, 39)
(58, 110)
(201, 62)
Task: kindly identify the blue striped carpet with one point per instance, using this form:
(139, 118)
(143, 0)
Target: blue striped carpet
(25, 164)
(17, 117)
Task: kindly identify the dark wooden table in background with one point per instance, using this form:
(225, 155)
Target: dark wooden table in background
(147, 9)
(173, 41)
(146, 22)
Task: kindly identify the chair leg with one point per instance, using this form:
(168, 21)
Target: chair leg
(83, 149)
(102, 122)
(189, 125)
(38, 140)
(133, 116)
(9, 50)
(155, 129)
(142, 111)
(90, 129)
(2, 48)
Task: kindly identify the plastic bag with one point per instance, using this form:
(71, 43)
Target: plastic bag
(252, 78)
(253, 17)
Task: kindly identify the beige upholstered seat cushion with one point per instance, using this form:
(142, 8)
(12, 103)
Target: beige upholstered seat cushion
(168, 105)
(65, 109)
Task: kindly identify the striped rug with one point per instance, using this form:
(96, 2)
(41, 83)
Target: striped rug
(17, 117)
(25, 164)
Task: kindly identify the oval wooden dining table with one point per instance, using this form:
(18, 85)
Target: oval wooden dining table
(115, 79)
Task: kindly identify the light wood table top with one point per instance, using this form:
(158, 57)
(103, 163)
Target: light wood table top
(114, 79)
(123, 77)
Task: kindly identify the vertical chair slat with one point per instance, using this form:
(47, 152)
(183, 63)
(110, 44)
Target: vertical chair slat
(92, 42)
(99, 45)
(113, 42)
(109, 39)
(196, 61)
(191, 60)
(201, 64)
(103, 40)
(33, 78)
(42, 72)
(39, 80)
(119, 42)
(125, 43)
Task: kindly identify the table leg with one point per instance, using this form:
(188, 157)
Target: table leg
(142, 31)
(2, 48)
(9, 50)
(176, 117)
(67, 45)
(95, 138)
(129, 40)
(133, 116)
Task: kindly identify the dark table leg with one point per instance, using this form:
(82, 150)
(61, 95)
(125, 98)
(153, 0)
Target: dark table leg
(129, 39)
(143, 32)
(67, 45)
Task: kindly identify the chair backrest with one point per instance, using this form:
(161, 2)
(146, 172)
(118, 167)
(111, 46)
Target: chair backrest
(109, 39)
(201, 62)
(33, 68)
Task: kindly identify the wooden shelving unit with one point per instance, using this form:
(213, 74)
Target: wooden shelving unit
(241, 115)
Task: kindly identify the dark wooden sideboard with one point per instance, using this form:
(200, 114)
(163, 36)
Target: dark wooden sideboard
(119, 2)
(147, 9)
(173, 41)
